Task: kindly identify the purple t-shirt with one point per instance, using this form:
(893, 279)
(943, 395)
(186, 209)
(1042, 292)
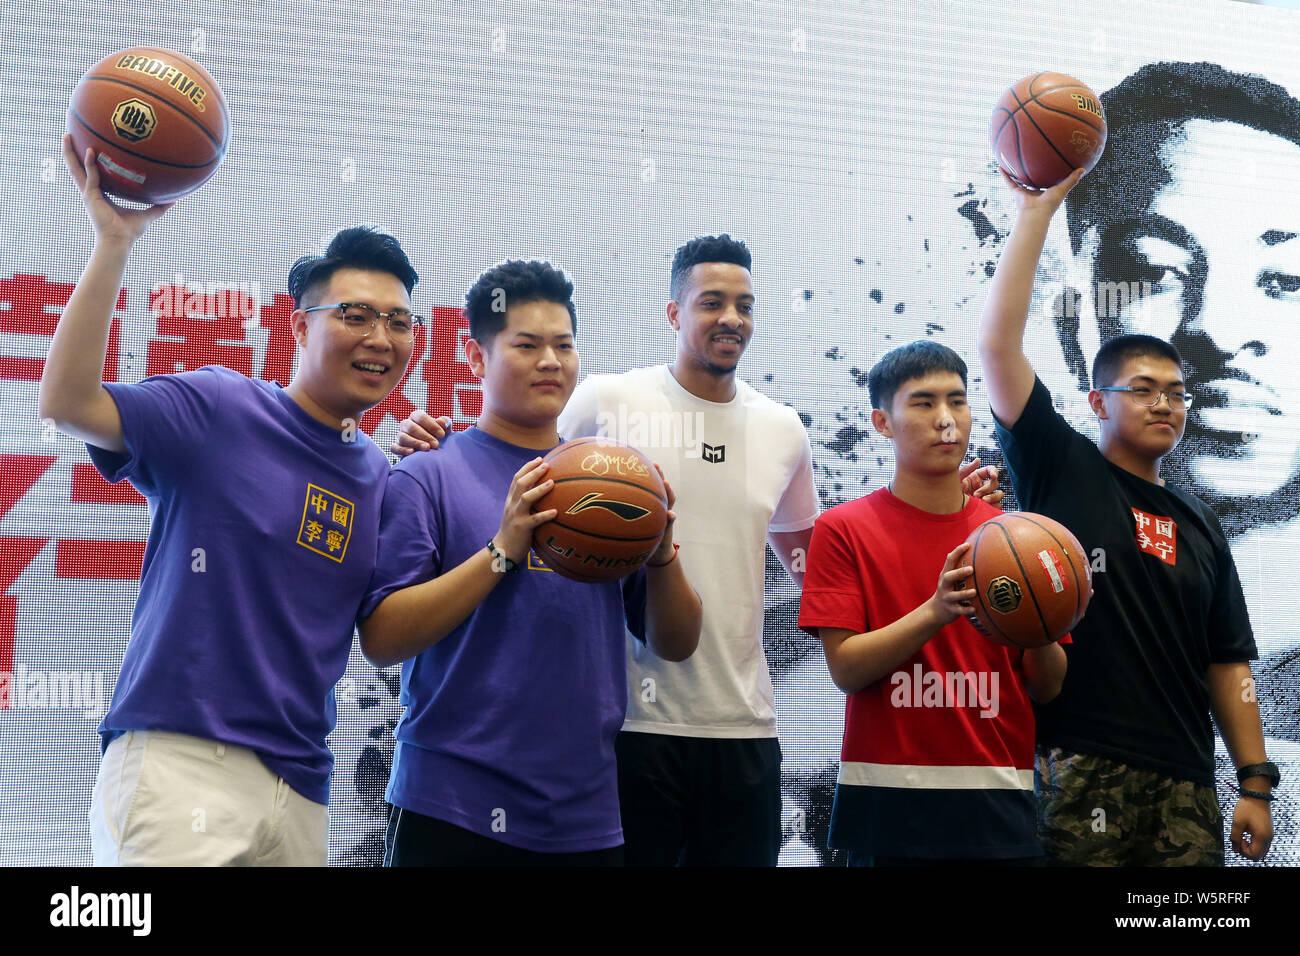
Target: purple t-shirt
(510, 719)
(262, 543)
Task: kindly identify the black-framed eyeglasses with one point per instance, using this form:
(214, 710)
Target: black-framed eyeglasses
(361, 319)
(1150, 397)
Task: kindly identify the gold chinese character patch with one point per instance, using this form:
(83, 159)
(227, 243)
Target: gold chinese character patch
(326, 523)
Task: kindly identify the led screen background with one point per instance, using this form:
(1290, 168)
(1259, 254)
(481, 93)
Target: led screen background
(846, 142)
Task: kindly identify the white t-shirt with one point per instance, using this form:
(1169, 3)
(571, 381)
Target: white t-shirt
(740, 469)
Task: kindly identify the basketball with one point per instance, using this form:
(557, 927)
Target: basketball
(156, 120)
(1045, 127)
(1032, 580)
(613, 509)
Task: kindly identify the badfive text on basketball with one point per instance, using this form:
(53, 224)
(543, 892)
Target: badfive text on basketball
(103, 909)
(952, 689)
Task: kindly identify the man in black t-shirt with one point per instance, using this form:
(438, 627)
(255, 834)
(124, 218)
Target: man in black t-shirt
(1125, 765)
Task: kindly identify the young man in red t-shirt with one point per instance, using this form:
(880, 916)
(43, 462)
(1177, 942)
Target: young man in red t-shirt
(937, 764)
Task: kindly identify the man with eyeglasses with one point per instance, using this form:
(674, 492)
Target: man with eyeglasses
(1125, 763)
(265, 506)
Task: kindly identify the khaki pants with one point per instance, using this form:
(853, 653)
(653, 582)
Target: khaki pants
(166, 799)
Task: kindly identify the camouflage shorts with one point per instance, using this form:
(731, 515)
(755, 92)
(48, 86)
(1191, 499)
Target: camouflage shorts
(1098, 812)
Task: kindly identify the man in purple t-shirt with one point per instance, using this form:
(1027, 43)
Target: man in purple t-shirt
(513, 676)
(265, 506)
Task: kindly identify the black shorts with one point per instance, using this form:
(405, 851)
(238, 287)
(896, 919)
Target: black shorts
(413, 839)
(699, 801)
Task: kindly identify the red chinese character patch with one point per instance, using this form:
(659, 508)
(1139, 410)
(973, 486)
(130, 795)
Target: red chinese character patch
(1157, 535)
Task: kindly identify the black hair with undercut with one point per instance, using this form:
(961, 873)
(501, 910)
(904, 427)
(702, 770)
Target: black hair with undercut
(514, 282)
(722, 248)
(914, 360)
(1149, 109)
(357, 247)
(1112, 356)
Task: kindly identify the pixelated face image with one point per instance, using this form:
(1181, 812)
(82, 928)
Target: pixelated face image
(530, 369)
(714, 319)
(1216, 259)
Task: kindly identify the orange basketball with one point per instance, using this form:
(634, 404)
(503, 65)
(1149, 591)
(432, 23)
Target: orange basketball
(613, 509)
(1045, 127)
(156, 120)
(1032, 580)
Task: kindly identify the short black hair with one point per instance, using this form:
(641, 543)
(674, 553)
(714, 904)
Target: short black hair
(1152, 106)
(357, 247)
(1112, 356)
(514, 282)
(913, 360)
(721, 248)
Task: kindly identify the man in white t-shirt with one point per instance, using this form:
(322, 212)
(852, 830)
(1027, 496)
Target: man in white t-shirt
(699, 762)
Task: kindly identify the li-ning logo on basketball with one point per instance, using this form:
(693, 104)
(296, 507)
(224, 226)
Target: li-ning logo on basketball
(623, 509)
(601, 463)
(134, 120)
(1003, 594)
(714, 453)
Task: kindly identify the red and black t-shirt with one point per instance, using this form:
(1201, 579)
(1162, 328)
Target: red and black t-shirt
(937, 758)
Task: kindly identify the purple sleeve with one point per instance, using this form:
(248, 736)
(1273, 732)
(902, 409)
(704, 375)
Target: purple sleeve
(408, 540)
(165, 420)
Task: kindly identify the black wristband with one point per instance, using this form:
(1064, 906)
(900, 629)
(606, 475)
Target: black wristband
(1268, 770)
(500, 560)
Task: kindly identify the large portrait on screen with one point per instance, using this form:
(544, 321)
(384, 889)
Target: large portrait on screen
(1187, 229)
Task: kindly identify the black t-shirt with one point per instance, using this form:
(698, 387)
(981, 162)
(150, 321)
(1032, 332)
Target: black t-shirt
(1167, 605)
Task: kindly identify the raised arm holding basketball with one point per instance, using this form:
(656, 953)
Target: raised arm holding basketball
(72, 395)
(1167, 638)
(1007, 372)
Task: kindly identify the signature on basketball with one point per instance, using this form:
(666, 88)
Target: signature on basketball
(1081, 141)
(601, 463)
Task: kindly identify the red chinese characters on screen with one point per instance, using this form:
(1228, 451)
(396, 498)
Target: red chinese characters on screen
(453, 389)
(198, 328)
(74, 558)
(277, 319)
(32, 305)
